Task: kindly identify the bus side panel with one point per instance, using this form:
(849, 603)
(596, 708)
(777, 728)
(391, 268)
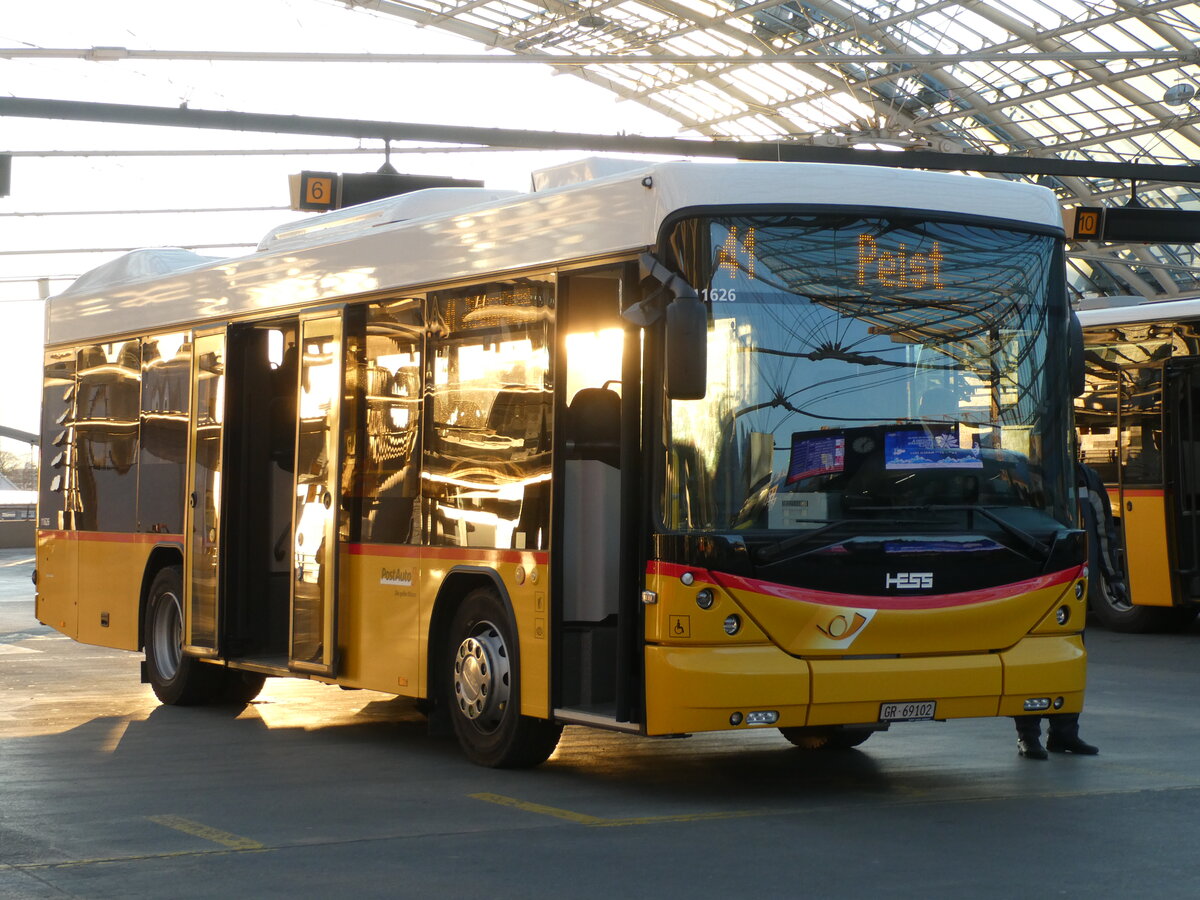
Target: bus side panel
(526, 579)
(57, 566)
(1144, 520)
(110, 595)
(379, 619)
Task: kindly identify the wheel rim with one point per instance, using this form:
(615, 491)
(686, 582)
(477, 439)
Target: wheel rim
(1114, 600)
(167, 636)
(482, 677)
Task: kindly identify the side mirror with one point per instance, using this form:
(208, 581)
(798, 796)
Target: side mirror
(687, 348)
(1076, 371)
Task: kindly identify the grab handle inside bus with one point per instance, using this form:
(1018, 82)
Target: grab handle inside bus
(1077, 371)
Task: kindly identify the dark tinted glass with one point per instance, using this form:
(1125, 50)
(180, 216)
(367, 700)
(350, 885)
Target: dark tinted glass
(166, 370)
(56, 477)
(106, 426)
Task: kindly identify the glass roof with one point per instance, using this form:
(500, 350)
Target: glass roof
(1098, 80)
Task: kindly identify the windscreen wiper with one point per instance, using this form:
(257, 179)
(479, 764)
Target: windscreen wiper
(1039, 548)
(772, 552)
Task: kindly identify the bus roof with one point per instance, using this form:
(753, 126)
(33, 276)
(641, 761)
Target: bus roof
(586, 210)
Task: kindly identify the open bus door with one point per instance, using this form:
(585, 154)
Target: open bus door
(597, 627)
(202, 517)
(314, 546)
(1181, 428)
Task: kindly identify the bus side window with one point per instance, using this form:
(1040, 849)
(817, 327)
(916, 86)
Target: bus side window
(487, 454)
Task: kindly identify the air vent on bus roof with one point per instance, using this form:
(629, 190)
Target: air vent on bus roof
(138, 265)
(582, 170)
(343, 223)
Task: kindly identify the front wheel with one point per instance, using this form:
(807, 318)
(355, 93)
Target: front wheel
(482, 688)
(1110, 604)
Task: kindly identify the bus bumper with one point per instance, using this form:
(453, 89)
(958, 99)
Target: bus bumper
(691, 689)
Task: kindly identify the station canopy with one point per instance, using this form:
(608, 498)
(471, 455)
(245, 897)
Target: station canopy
(1103, 81)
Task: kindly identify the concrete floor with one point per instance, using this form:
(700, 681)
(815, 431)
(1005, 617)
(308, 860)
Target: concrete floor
(317, 792)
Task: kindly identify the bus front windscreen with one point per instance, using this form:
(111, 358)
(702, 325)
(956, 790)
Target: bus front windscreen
(872, 370)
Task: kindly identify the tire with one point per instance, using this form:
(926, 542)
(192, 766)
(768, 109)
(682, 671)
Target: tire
(176, 679)
(1110, 605)
(833, 737)
(240, 687)
(482, 688)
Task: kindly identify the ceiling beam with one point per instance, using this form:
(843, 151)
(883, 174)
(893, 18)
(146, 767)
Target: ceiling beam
(557, 140)
(115, 54)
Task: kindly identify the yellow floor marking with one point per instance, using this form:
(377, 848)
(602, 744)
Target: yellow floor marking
(916, 798)
(597, 821)
(579, 818)
(113, 739)
(224, 838)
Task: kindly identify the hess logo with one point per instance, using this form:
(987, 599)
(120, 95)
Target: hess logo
(909, 581)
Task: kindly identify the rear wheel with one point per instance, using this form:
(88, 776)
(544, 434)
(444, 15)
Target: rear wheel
(482, 688)
(832, 737)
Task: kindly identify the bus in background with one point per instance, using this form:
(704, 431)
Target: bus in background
(1139, 428)
(660, 448)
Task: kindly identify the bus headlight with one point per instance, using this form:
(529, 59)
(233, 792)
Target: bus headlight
(762, 717)
(1079, 589)
(1037, 704)
(733, 624)
(1062, 615)
(704, 599)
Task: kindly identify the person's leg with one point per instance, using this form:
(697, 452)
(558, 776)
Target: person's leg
(1029, 733)
(1063, 736)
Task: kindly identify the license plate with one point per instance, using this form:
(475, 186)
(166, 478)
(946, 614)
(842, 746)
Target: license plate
(907, 712)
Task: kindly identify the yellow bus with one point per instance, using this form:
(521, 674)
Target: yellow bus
(1138, 428)
(660, 448)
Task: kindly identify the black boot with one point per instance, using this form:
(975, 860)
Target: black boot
(1029, 734)
(1064, 736)
(1030, 747)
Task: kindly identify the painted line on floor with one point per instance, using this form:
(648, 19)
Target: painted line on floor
(600, 822)
(224, 838)
(912, 800)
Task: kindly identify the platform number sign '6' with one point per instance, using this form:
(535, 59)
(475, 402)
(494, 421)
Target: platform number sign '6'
(318, 191)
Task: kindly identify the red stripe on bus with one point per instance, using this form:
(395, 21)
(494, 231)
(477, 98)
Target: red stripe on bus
(111, 537)
(1144, 492)
(866, 601)
(475, 554)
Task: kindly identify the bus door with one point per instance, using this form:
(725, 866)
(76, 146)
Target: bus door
(202, 525)
(1181, 429)
(314, 546)
(1143, 497)
(596, 658)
